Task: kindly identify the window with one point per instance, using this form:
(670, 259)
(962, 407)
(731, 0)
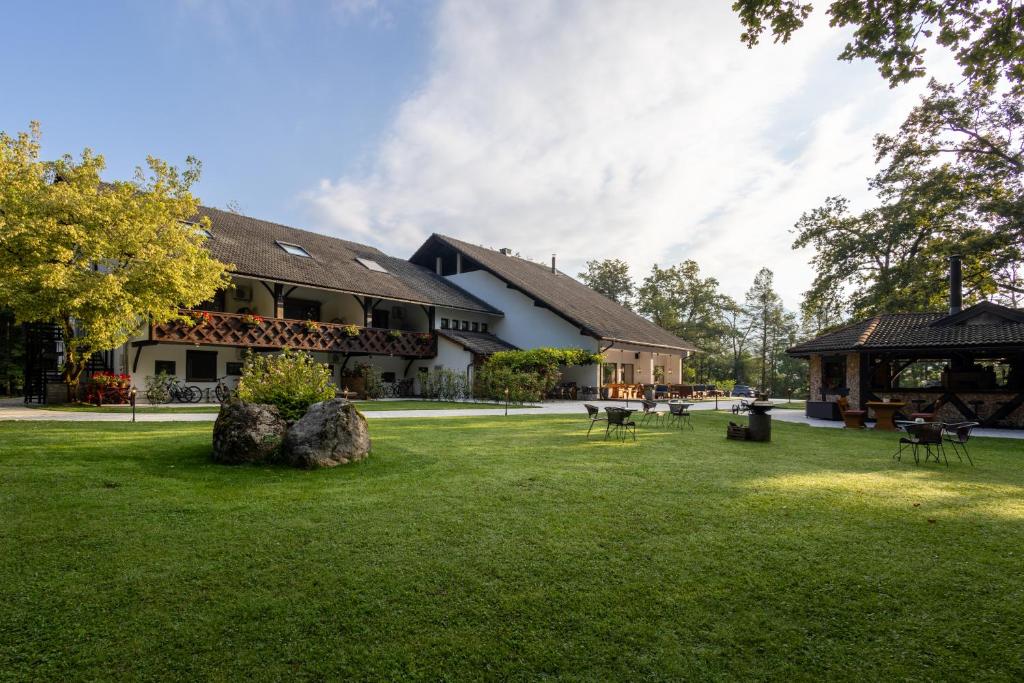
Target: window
(455, 324)
(293, 249)
(627, 373)
(234, 369)
(610, 372)
(200, 366)
(659, 373)
(444, 323)
(465, 325)
(483, 327)
(476, 327)
(301, 309)
(165, 367)
(833, 373)
(371, 264)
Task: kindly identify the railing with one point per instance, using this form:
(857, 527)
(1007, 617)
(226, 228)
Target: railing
(230, 329)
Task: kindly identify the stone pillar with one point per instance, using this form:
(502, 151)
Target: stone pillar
(814, 377)
(853, 379)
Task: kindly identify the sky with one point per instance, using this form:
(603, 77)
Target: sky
(586, 128)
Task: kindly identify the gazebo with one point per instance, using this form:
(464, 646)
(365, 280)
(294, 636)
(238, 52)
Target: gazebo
(963, 364)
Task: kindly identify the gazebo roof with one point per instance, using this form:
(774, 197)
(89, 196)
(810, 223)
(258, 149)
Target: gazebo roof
(983, 326)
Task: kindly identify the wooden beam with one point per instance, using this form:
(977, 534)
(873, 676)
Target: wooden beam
(278, 300)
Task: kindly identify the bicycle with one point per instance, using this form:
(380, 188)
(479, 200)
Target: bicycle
(174, 390)
(223, 392)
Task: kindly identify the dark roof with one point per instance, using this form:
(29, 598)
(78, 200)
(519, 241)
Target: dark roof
(483, 343)
(993, 326)
(251, 245)
(591, 311)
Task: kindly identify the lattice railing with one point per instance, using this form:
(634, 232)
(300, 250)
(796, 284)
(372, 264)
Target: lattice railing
(230, 329)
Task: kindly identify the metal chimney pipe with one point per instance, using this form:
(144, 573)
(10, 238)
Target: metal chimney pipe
(437, 265)
(956, 293)
(553, 263)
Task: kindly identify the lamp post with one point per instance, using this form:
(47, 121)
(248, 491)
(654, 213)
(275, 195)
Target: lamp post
(506, 401)
(131, 399)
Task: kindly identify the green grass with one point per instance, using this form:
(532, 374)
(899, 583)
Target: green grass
(508, 548)
(363, 405)
(792, 405)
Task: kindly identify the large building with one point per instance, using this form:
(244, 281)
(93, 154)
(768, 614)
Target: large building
(451, 305)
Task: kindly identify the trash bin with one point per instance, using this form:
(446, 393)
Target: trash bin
(760, 427)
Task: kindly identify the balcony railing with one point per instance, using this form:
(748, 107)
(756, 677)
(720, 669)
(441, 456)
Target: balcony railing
(230, 329)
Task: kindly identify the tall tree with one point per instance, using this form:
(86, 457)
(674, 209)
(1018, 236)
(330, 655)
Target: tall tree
(763, 307)
(98, 259)
(953, 182)
(738, 328)
(985, 36)
(610, 277)
(680, 300)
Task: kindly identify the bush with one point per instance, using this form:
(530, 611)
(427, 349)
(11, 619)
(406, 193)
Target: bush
(291, 380)
(529, 375)
(372, 383)
(523, 387)
(156, 388)
(442, 384)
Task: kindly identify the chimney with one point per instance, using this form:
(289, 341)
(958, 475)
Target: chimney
(956, 294)
(437, 265)
(506, 251)
(553, 263)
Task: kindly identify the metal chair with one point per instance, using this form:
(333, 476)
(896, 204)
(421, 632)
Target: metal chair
(594, 413)
(921, 434)
(958, 435)
(678, 413)
(618, 418)
(650, 409)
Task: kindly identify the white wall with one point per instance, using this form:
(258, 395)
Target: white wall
(524, 325)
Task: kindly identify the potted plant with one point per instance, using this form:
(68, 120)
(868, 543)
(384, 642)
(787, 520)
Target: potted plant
(350, 330)
(394, 335)
(198, 318)
(252, 320)
(312, 326)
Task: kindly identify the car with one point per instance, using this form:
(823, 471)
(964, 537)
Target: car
(742, 390)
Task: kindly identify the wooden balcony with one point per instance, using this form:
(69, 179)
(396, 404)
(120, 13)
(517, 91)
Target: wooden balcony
(230, 329)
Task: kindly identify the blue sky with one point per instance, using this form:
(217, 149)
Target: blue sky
(269, 100)
(637, 129)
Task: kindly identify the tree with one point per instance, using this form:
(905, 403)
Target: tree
(763, 308)
(12, 354)
(688, 305)
(985, 36)
(98, 259)
(611, 278)
(952, 183)
(738, 332)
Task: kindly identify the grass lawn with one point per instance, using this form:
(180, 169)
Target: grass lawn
(363, 405)
(497, 548)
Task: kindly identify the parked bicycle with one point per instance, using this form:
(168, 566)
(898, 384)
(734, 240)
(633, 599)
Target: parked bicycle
(174, 390)
(223, 392)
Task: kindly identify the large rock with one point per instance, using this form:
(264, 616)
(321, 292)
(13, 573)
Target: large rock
(330, 433)
(247, 432)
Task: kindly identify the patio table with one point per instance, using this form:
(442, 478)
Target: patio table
(884, 413)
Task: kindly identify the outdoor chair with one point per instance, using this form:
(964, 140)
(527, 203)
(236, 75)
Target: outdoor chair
(927, 435)
(594, 413)
(853, 419)
(619, 423)
(650, 409)
(679, 415)
(958, 435)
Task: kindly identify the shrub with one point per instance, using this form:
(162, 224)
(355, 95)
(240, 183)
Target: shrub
(291, 380)
(372, 384)
(523, 387)
(156, 388)
(531, 374)
(442, 384)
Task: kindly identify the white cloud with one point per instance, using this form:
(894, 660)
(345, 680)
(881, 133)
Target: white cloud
(638, 130)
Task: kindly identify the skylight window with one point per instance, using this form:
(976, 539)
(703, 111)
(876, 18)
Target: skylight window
(293, 249)
(371, 264)
(205, 233)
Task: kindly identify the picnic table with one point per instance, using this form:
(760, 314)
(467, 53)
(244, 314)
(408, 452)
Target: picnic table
(885, 411)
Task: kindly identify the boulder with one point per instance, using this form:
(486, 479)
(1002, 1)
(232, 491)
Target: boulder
(330, 433)
(247, 432)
